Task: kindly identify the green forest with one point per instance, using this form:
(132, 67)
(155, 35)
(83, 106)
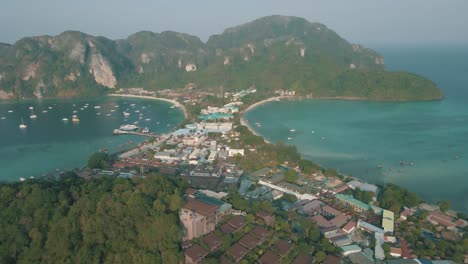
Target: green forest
(106, 220)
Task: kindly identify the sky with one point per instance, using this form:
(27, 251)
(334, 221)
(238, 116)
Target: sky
(358, 21)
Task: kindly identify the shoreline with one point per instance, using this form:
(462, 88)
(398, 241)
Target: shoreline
(174, 102)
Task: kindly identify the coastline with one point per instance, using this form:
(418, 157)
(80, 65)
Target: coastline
(244, 122)
(174, 102)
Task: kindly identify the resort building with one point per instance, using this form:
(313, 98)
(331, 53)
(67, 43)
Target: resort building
(201, 214)
(388, 218)
(349, 200)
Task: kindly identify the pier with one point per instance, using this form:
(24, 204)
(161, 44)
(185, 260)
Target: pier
(118, 132)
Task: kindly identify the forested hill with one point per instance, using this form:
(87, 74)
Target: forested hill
(274, 52)
(108, 220)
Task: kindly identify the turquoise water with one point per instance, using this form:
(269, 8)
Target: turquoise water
(357, 136)
(48, 143)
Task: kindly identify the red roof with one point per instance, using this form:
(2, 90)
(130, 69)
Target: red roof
(406, 213)
(269, 258)
(196, 253)
(404, 249)
(441, 219)
(237, 251)
(342, 188)
(396, 251)
(228, 229)
(212, 241)
(303, 259)
(200, 207)
(321, 221)
(237, 222)
(349, 226)
(248, 241)
(283, 246)
(260, 232)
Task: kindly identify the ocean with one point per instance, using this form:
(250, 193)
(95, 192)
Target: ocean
(422, 146)
(49, 144)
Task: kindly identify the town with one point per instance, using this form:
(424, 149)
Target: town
(254, 202)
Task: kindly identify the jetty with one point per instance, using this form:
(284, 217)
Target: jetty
(139, 132)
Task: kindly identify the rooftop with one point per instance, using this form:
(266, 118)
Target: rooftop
(302, 259)
(196, 252)
(212, 241)
(199, 207)
(350, 199)
(237, 251)
(283, 246)
(249, 241)
(269, 258)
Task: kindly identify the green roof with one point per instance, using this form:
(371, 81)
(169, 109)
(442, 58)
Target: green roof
(209, 200)
(215, 116)
(350, 248)
(351, 199)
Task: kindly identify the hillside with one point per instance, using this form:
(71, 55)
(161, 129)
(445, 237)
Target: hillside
(107, 220)
(274, 52)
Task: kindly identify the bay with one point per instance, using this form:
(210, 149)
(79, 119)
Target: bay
(357, 137)
(48, 143)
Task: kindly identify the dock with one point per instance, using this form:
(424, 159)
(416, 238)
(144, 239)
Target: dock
(118, 132)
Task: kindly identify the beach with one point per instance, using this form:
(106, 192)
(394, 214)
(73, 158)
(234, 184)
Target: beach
(252, 106)
(174, 102)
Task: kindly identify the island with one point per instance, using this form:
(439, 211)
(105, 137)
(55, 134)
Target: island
(270, 53)
(211, 191)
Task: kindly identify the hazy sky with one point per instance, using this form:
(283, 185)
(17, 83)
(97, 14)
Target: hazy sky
(359, 21)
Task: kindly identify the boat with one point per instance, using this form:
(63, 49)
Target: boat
(313, 132)
(289, 138)
(50, 107)
(22, 179)
(128, 127)
(137, 111)
(98, 114)
(145, 130)
(173, 106)
(108, 114)
(292, 130)
(132, 105)
(31, 108)
(22, 125)
(10, 111)
(3, 118)
(74, 111)
(75, 119)
(148, 119)
(140, 117)
(97, 106)
(65, 119)
(44, 111)
(33, 116)
(126, 113)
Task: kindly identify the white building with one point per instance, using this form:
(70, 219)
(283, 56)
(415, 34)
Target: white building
(235, 152)
(213, 155)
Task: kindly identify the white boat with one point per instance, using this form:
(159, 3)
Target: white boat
(74, 115)
(313, 132)
(292, 130)
(65, 119)
(74, 111)
(44, 111)
(50, 107)
(112, 110)
(81, 108)
(33, 116)
(137, 111)
(31, 108)
(22, 125)
(132, 105)
(10, 111)
(126, 113)
(97, 106)
(98, 114)
(3, 118)
(173, 106)
(148, 119)
(108, 114)
(135, 123)
(75, 119)
(128, 127)
(289, 138)
(22, 179)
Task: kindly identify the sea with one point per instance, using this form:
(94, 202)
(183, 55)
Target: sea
(422, 146)
(49, 145)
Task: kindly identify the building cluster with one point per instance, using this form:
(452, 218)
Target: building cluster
(205, 216)
(282, 92)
